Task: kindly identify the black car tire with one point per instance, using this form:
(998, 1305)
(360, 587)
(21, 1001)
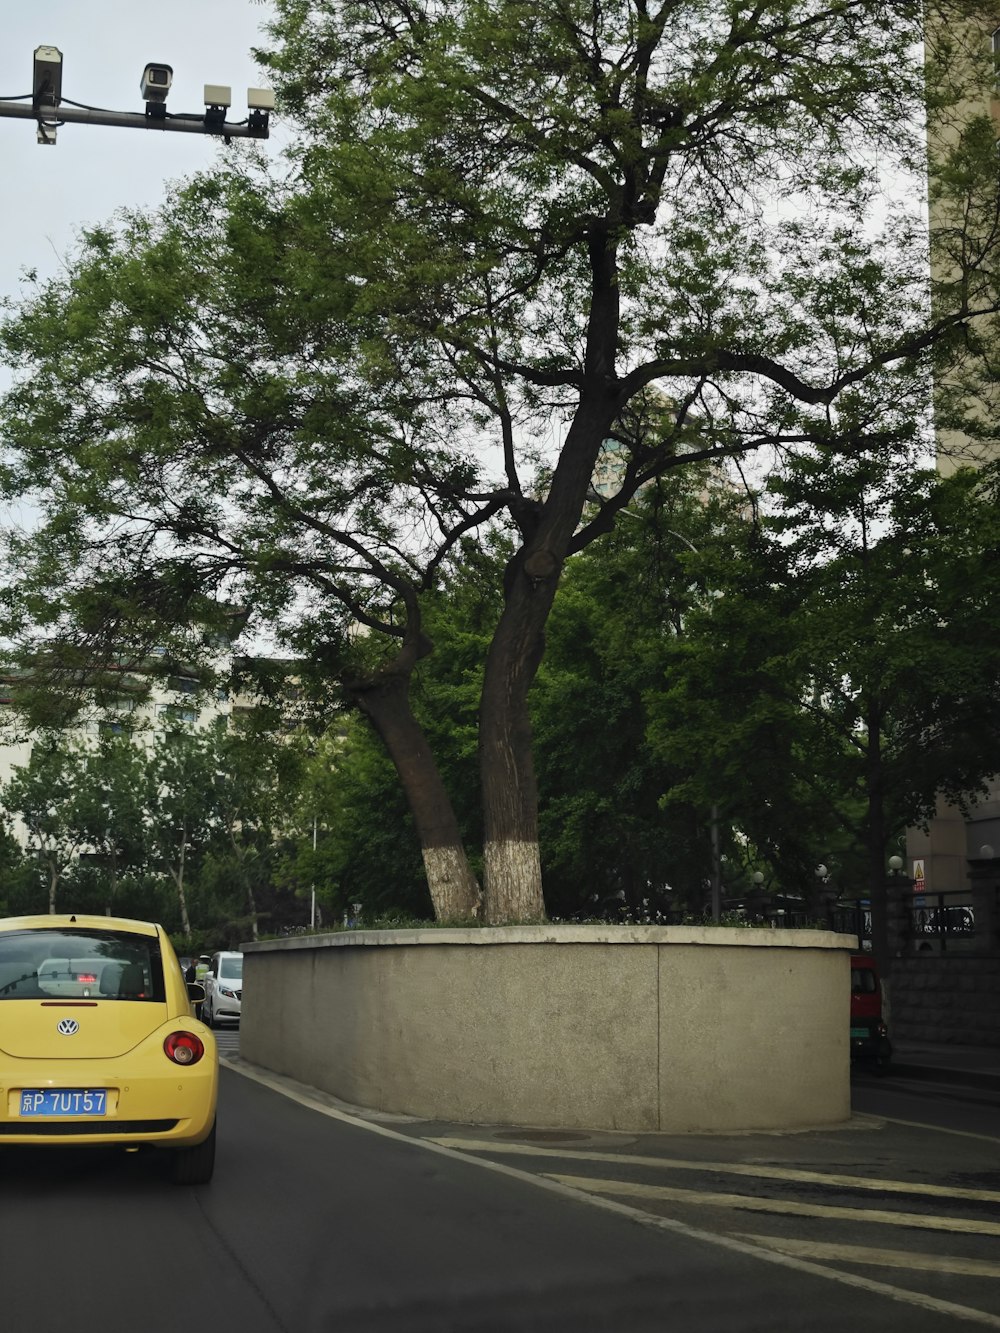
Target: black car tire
(194, 1166)
(207, 1016)
(883, 1055)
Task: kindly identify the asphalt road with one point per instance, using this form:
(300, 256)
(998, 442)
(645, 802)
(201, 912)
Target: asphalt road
(320, 1220)
(949, 1106)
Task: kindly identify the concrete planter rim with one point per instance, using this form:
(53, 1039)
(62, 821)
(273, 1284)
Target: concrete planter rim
(553, 934)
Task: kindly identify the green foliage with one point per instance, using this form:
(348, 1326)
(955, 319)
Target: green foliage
(846, 674)
(610, 844)
(366, 851)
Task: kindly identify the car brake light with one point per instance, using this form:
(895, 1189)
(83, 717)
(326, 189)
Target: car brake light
(184, 1048)
(88, 977)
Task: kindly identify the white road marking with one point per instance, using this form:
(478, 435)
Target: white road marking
(277, 1083)
(865, 1254)
(753, 1170)
(940, 1129)
(754, 1203)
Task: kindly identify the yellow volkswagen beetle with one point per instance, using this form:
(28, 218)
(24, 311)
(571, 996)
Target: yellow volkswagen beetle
(99, 1043)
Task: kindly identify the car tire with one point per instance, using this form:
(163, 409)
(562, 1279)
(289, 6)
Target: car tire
(883, 1055)
(207, 1017)
(194, 1166)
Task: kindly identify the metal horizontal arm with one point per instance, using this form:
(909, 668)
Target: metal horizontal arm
(255, 127)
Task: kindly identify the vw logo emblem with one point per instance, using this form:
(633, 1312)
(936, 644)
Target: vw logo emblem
(67, 1026)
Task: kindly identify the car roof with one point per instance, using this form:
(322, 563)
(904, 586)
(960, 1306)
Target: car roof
(78, 921)
(229, 953)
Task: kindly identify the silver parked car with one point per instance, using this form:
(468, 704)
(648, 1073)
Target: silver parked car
(223, 989)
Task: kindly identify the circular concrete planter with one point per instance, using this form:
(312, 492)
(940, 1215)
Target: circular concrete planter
(639, 1028)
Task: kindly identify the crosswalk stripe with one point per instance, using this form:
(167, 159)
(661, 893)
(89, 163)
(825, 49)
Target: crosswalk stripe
(867, 1255)
(699, 1198)
(753, 1170)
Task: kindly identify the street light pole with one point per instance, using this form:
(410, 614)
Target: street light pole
(312, 895)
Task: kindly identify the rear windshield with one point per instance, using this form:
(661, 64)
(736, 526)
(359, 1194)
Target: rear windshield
(231, 969)
(863, 981)
(80, 964)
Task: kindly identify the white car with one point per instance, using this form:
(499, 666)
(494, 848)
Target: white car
(223, 990)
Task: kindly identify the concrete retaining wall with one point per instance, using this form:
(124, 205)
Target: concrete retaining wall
(633, 1028)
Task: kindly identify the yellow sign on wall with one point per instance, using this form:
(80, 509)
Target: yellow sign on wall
(919, 882)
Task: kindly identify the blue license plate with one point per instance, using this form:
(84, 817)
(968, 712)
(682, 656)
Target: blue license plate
(860, 1032)
(63, 1101)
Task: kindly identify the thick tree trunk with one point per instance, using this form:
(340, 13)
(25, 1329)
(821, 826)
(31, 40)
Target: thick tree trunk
(513, 878)
(512, 864)
(454, 888)
(240, 854)
(511, 861)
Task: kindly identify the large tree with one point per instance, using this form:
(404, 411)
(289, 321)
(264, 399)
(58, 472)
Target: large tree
(518, 247)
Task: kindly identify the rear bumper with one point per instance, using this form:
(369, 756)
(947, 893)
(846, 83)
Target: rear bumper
(872, 1047)
(169, 1106)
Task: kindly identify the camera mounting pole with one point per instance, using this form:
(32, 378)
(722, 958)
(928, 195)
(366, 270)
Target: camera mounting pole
(47, 108)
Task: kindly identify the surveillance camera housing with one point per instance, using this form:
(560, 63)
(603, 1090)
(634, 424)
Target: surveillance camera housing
(47, 82)
(260, 99)
(156, 81)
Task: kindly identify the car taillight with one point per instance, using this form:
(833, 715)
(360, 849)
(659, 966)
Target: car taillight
(184, 1048)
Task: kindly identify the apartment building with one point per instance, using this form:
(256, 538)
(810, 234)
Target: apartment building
(955, 849)
(141, 699)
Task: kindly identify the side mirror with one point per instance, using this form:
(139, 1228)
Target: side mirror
(196, 991)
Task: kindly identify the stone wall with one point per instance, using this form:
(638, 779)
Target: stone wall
(947, 998)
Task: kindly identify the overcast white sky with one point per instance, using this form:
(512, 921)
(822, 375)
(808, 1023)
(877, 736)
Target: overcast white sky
(52, 191)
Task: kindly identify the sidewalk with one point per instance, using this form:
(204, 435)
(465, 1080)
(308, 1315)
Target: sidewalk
(972, 1066)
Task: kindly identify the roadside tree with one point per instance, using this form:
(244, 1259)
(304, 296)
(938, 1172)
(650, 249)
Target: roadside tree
(112, 800)
(255, 778)
(45, 794)
(180, 811)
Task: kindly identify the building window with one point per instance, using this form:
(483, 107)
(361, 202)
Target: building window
(177, 713)
(183, 684)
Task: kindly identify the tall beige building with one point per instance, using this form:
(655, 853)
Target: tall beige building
(963, 100)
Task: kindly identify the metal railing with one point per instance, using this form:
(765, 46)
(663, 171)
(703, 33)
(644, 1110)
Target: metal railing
(933, 919)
